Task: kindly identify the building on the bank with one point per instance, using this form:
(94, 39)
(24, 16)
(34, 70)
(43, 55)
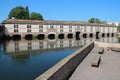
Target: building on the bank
(52, 29)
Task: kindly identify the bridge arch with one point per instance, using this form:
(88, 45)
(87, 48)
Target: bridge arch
(41, 36)
(70, 35)
(16, 37)
(28, 37)
(91, 35)
(85, 35)
(51, 36)
(103, 34)
(61, 36)
(112, 34)
(108, 34)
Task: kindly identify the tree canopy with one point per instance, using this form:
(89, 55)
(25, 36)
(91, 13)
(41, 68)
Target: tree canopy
(36, 16)
(94, 20)
(20, 12)
(118, 28)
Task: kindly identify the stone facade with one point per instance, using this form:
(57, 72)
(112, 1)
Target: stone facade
(36, 27)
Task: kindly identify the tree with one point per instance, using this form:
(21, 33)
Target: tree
(94, 20)
(36, 16)
(118, 28)
(19, 12)
(27, 11)
(97, 20)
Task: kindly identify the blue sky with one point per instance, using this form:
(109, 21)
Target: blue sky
(68, 10)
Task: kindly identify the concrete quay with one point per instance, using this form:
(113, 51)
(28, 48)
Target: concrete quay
(64, 69)
(109, 68)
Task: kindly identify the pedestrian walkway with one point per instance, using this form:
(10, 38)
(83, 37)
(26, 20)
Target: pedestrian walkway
(109, 68)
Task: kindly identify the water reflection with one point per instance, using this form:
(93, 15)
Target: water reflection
(28, 59)
(24, 46)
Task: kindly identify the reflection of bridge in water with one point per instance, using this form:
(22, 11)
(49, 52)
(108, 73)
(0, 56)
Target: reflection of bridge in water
(34, 46)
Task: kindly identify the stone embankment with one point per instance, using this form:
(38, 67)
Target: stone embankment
(64, 69)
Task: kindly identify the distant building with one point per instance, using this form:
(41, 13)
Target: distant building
(115, 23)
(52, 29)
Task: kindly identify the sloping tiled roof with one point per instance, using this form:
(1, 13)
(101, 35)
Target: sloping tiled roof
(51, 22)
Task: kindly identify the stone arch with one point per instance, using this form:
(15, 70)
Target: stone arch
(41, 36)
(103, 34)
(97, 35)
(112, 34)
(85, 35)
(108, 34)
(70, 35)
(28, 37)
(61, 36)
(51, 36)
(77, 35)
(91, 35)
(16, 37)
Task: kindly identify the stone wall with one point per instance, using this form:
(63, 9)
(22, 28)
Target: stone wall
(64, 69)
(107, 45)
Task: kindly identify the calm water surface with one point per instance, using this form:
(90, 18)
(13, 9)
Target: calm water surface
(26, 60)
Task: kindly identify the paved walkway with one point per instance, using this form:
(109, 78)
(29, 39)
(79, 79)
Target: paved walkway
(109, 68)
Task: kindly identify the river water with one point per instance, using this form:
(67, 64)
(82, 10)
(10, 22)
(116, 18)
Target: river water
(27, 59)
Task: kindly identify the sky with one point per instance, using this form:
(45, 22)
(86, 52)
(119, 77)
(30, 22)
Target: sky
(67, 10)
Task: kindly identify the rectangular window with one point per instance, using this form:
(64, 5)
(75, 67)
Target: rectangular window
(61, 30)
(15, 26)
(29, 30)
(40, 30)
(40, 26)
(70, 30)
(41, 46)
(29, 48)
(41, 43)
(51, 46)
(61, 45)
(15, 30)
(29, 44)
(51, 26)
(61, 41)
(70, 26)
(61, 26)
(16, 49)
(28, 26)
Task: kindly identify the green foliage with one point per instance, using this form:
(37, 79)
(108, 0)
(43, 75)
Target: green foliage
(27, 11)
(118, 28)
(94, 20)
(118, 40)
(19, 12)
(36, 16)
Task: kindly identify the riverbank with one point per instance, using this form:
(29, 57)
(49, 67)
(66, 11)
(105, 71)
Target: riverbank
(64, 69)
(108, 68)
